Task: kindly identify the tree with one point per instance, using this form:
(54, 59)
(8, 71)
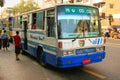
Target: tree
(1, 3)
(30, 5)
(25, 6)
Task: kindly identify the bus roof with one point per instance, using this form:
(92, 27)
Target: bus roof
(53, 7)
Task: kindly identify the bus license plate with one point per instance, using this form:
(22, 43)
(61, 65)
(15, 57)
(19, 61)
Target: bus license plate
(86, 61)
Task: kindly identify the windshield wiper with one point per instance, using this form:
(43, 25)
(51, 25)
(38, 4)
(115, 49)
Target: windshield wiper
(75, 38)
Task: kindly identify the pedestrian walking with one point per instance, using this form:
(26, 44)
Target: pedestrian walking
(3, 29)
(17, 43)
(5, 40)
(0, 40)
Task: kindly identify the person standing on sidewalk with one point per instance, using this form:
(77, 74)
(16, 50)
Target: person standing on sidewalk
(5, 40)
(17, 43)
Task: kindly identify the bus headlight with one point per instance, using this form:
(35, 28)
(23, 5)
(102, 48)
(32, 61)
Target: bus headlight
(101, 48)
(67, 53)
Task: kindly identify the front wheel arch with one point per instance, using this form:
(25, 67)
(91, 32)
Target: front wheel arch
(41, 56)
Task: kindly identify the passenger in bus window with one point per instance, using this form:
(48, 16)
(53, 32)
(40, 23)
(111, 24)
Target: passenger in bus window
(34, 26)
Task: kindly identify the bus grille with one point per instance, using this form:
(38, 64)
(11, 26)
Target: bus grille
(85, 50)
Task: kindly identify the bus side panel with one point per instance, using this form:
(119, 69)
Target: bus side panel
(49, 51)
(50, 58)
(32, 51)
(73, 61)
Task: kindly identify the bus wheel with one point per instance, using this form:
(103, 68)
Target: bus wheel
(40, 57)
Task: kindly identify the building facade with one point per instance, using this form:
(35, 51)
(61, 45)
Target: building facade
(109, 11)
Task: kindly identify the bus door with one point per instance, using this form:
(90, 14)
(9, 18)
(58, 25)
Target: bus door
(51, 23)
(25, 35)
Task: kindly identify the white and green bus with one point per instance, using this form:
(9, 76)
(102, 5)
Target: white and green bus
(63, 36)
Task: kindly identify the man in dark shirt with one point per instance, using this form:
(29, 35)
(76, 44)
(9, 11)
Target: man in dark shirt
(5, 40)
(17, 43)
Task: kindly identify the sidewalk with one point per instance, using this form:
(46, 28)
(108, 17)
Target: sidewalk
(25, 69)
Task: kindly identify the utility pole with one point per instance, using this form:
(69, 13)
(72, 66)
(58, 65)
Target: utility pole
(1, 3)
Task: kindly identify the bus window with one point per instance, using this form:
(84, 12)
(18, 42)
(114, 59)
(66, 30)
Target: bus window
(77, 23)
(18, 22)
(50, 23)
(40, 20)
(34, 21)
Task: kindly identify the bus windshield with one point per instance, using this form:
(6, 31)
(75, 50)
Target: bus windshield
(78, 22)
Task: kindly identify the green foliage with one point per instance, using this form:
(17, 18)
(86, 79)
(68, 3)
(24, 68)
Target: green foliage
(1, 3)
(25, 6)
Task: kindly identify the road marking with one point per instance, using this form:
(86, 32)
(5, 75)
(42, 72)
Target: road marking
(34, 62)
(93, 73)
(112, 44)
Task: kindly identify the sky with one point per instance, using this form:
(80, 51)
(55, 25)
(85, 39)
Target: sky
(10, 3)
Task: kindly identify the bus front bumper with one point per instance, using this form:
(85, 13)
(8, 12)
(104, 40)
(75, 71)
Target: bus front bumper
(79, 60)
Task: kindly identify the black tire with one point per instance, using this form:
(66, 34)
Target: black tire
(40, 57)
(23, 52)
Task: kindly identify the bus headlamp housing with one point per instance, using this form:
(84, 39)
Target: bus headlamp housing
(67, 53)
(101, 48)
